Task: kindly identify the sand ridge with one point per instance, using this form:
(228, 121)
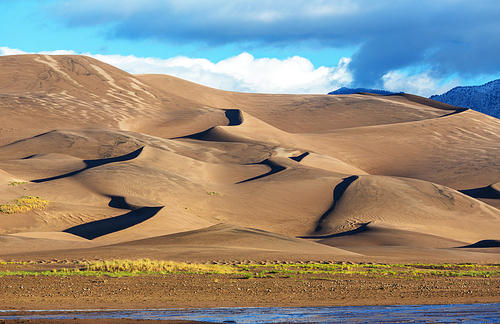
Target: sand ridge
(137, 165)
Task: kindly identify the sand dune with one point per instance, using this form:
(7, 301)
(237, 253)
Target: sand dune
(18, 243)
(307, 113)
(376, 233)
(408, 204)
(457, 150)
(7, 177)
(154, 166)
(218, 243)
(234, 237)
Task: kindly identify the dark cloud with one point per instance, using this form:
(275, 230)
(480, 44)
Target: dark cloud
(449, 36)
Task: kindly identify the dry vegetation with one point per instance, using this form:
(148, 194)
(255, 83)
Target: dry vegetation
(24, 204)
(319, 271)
(148, 266)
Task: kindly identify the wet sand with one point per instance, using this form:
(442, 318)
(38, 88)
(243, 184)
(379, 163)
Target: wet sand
(89, 321)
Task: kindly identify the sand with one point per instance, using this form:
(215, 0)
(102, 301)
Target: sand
(154, 166)
(201, 291)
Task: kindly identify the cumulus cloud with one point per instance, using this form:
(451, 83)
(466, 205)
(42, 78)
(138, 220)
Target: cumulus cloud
(450, 36)
(14, 51)
(10, 51)
(423, 84)
(243, 72)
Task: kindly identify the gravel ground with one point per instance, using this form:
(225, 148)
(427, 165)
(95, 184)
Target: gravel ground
(197, 290)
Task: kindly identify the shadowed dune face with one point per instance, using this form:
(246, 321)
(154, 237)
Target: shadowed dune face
(376, 233)
(409, 204)
(154, 166)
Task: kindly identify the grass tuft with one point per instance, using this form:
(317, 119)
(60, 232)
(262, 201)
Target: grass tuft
(248, 275)
(16, 183)
(148, 266)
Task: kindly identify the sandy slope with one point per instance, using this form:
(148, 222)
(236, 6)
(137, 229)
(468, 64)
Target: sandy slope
(151, 165)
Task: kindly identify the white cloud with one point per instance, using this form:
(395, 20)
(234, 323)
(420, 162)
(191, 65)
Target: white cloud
(242, 73)
(10, 51)
(422, 84)
(58, 52)
(14, 51)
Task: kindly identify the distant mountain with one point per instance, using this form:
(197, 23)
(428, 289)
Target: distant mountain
(484, 98)
(344, 90)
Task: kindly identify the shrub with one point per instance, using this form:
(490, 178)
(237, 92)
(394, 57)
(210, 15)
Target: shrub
(16, 183)
(146, 265)
(24, 204)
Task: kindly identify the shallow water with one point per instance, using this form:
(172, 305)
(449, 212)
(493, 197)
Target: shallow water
(466, 313)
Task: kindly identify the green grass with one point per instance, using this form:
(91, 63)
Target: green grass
(120, 268)
(16, 183)
(376, 270)
(148, 266)
(24, 204)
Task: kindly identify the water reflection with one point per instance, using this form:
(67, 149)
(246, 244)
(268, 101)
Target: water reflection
(466, 313)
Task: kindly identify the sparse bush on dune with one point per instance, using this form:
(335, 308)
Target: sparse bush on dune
(24, 204)
(17, 183)
(214, 193)
(13, 209)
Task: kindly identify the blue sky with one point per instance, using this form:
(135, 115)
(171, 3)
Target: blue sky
(423, 47)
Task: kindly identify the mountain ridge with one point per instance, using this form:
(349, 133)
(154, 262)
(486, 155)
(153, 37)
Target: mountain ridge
(345, 91)
(483, 98)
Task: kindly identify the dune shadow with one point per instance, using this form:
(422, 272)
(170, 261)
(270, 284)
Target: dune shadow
(484, 192)
(102, 227)
(361, 229)
(483, 244)
(94, 163)
(337, 194)
(300, 157)
(275, 168)
(234, 116)
(201, 136)
(458, 111)
(218, 134)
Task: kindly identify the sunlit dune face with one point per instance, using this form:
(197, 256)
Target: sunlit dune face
(96, 161)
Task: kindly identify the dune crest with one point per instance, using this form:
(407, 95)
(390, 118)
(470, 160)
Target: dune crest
(151, 165)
